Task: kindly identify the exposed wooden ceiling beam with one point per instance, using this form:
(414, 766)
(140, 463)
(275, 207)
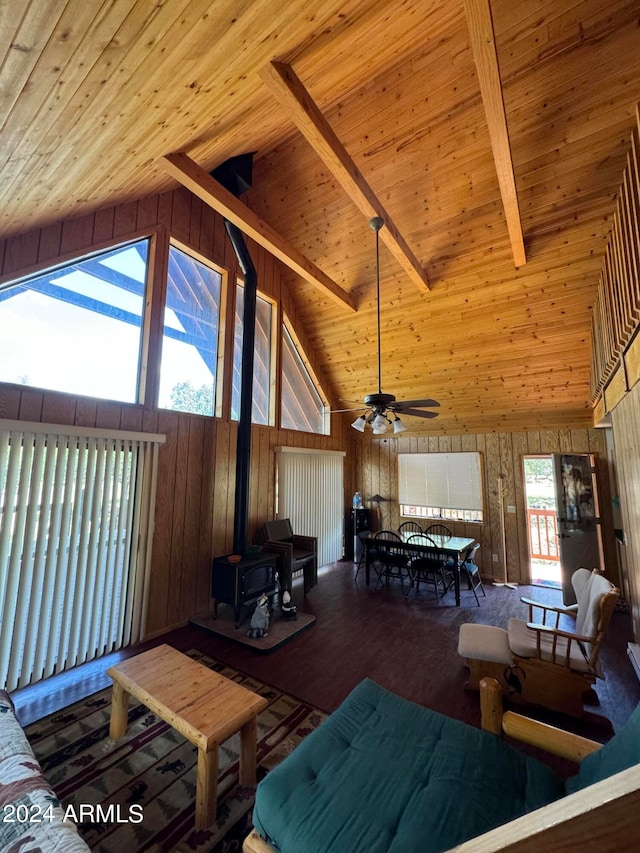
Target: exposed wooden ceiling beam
(211, 192)
(484, 50)
(288, 89)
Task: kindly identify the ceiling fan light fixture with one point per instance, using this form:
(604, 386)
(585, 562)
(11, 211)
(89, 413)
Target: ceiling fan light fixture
(380, 412)
(398, 426)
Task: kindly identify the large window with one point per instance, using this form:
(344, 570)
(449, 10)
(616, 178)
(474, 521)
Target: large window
(440, 485)
(188, 372)
(261, 412)
(77, 328)
(302, 406)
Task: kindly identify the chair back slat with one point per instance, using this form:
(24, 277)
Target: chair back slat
(439, 530)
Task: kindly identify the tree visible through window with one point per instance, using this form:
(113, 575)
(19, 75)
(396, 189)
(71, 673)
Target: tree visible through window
(77, 328)
(302, 406)
(190, 335)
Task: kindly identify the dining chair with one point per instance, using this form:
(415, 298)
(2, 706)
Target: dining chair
(393, 562)
(449, 564)
(408, 527)
(469, 569)
(427, 567)
(364, 534)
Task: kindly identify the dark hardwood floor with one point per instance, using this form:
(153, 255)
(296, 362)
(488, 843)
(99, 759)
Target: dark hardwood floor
(408, 645)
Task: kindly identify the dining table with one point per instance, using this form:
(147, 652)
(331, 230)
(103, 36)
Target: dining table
(452, 547)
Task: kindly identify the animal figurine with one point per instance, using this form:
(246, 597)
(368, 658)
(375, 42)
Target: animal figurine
(289, 610)
(260, 619)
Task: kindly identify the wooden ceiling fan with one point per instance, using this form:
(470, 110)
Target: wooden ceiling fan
(382, 410)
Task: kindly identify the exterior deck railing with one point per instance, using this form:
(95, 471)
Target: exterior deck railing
(543, 534)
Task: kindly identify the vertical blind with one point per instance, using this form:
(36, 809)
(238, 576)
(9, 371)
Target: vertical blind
(445, 480)
(76, 523)
(311, 494)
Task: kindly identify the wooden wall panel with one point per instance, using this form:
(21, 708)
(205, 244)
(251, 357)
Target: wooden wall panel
(375, 465)
(626, 418)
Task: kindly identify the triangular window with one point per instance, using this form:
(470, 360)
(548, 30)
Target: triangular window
(303, 408)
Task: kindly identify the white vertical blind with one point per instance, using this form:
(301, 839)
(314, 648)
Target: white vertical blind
(445, 480)
(76, 521)
(311, 494)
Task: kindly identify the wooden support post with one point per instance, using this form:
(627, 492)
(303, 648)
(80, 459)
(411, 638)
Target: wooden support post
(491, 705)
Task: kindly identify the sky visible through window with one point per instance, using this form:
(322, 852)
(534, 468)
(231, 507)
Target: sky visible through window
(78, 330)
(70, 330)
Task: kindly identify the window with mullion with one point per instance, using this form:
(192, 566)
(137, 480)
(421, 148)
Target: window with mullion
(188, 371)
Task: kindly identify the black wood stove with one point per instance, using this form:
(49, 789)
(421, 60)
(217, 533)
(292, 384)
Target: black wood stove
(241, 583)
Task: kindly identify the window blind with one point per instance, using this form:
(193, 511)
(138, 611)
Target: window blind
(445, 480)
(76, 527)
(311, 495)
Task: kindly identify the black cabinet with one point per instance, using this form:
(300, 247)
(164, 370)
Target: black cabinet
(357, 521)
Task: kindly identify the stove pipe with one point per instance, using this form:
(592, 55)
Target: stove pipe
(235, 175)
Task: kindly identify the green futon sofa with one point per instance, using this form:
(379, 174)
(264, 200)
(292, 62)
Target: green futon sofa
(385, 775)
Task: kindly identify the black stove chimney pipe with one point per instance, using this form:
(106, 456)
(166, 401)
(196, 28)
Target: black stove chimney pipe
(243, 445)
(235, 175)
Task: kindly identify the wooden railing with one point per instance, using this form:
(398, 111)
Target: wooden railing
(543, 534)
(616, 308)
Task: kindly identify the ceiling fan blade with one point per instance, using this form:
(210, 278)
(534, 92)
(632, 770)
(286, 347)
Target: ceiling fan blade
(416, 403)
(418, 413)
(335, 411)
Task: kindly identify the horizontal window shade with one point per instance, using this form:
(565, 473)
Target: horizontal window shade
(445, 480)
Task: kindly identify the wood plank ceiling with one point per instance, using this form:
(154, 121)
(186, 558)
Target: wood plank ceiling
(94, 95)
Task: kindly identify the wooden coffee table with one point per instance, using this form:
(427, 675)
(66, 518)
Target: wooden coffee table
(206, 708)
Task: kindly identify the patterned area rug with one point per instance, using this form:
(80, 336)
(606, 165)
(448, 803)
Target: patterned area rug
(154, 769)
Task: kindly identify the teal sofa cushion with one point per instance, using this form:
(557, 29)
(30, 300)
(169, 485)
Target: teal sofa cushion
(385, 775)
(621, 752)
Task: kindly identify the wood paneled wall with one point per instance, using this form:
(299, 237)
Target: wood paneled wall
(375, 471)
(196, 474)
(626, 417)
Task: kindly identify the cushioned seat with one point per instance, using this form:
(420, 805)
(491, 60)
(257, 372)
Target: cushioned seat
(385, 774)
(520, 643)
(554, 664)
(299, 553)
(589, 587)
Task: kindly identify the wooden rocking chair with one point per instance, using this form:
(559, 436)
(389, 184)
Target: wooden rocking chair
(557, 667)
